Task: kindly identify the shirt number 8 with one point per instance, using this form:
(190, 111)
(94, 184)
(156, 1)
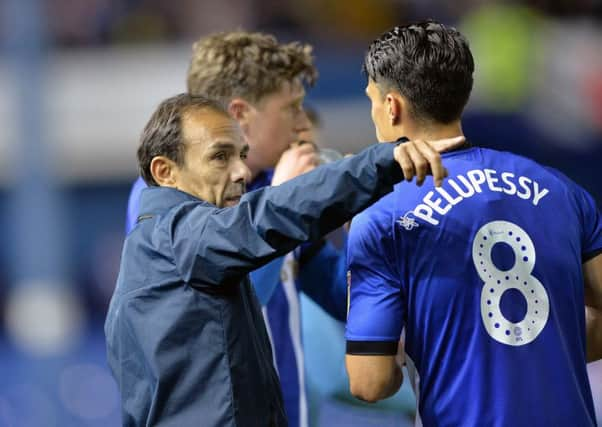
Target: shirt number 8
(518, 277)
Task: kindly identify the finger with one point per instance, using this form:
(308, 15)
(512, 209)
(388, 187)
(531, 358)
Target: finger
(313, 159)
(434, 161)
(306, 148)
(297, 152)
(305, 168)
(402, 157)
(447, 144)
(421, 165)
(308, 159)
(304, 142)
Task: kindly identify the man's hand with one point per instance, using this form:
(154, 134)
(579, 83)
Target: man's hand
(420, 158)
(295, 161)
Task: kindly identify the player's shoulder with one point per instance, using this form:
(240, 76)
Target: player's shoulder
(378, 213)
(135, 192)
(527, 163)
(376, 219)
(509, 156)
(573, 193)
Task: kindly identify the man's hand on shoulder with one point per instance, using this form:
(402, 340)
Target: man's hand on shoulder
(419, 158)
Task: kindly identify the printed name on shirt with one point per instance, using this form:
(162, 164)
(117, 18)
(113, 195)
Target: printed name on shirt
(442, 199)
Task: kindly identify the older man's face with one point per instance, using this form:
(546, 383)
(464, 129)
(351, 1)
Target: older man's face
(214, 154)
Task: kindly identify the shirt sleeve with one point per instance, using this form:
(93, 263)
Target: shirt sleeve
(588, 215)
(323, 278)
(591, 224)
(376, 301)
(215, 246)
(266, 278)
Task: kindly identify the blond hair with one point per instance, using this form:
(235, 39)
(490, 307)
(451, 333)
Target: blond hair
(247, 65)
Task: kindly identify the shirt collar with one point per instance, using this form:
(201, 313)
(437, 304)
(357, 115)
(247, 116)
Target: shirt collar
(263, 179)
(464, 146)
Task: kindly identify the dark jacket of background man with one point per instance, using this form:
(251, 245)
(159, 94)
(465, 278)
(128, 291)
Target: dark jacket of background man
(187, 358)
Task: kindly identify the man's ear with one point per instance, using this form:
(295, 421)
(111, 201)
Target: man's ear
(395, 106)
(239, 109)
(164, 171)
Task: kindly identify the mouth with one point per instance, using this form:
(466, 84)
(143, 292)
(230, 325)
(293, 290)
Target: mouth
(232, 200)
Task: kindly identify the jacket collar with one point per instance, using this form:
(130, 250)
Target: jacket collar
(157, 200)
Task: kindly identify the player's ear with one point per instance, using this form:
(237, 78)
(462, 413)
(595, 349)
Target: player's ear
(239, 109)
(164, 171)
(395, 106)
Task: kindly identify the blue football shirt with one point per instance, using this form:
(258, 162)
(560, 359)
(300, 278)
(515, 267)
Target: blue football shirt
(485, 275)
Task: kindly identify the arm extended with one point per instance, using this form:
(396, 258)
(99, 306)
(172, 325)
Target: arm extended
(222, 245)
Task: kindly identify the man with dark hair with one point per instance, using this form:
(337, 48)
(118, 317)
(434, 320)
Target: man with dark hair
(487, 283)
(186, 340)
(261, 83)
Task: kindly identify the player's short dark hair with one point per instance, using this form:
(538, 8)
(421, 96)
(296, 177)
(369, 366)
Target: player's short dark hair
(429, 64)
(162, 135)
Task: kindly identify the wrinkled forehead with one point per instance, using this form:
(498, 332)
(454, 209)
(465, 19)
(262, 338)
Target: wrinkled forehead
(206, 126)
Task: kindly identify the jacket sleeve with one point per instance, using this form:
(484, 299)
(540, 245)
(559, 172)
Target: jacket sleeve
(323, 278)
(219, 246)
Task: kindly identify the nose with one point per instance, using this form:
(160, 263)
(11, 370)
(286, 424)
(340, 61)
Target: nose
(240, 172)
(302, 122)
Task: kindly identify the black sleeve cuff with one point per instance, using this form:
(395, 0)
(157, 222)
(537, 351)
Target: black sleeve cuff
(594, 254)
(372, 348)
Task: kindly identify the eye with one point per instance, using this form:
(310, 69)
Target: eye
(220, 156)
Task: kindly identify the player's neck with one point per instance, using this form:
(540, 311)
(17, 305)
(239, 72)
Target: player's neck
(433, 132)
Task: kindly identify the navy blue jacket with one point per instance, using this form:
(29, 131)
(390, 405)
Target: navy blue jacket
(186, 340)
